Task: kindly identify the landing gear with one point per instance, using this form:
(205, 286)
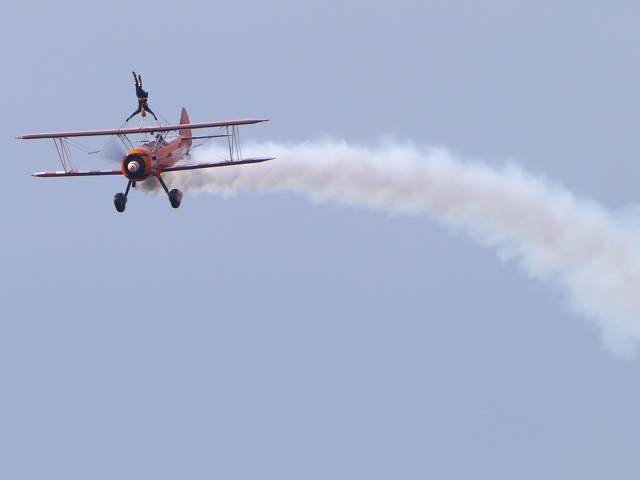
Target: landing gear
(120, 199)
(175, 195)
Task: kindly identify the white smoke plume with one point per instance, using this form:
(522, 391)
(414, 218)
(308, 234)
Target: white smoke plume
(573, 243)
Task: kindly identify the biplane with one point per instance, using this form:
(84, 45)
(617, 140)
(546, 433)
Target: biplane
(154, 157)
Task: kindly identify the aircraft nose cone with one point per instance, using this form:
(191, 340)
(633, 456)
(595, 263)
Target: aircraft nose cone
(133, 167)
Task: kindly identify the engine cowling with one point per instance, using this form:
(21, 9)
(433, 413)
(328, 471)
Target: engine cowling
(136, 164)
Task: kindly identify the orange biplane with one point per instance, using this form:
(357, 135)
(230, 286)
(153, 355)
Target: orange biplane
(153, 157)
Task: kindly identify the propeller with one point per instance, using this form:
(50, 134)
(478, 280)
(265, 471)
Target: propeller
(113, 150)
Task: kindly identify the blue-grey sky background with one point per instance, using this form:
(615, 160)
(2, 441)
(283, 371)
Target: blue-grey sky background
(268, 336)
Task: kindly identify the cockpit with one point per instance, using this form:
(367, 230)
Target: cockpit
(157, 143)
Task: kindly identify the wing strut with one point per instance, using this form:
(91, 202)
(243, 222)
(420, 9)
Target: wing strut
(65, 154)
(233, 139)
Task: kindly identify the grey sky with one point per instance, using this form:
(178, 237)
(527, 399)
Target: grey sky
(268, 336)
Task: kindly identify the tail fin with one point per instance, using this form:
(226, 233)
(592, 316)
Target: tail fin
(186, 133)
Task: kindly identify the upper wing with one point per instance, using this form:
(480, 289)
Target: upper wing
(129, 131)
(225, 163)
(77, 173)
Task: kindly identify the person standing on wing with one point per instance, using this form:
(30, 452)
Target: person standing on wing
(142, 99)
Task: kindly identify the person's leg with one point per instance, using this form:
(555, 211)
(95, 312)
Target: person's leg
(135, 113)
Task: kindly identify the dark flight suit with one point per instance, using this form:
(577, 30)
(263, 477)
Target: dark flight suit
(142, 98)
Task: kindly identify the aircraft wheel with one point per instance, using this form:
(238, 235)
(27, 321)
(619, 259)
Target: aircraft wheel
(175, 197)
(120, 202)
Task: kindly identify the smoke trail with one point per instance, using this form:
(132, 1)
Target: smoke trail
(573, 243)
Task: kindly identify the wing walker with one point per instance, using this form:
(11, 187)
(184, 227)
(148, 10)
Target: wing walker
(154, 157)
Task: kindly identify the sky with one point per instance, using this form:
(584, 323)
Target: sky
(315, 325)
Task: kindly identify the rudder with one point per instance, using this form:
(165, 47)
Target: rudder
(185, 133)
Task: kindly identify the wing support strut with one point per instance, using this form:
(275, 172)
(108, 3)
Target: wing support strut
(65, 154)
(125, 141)
(233, 139)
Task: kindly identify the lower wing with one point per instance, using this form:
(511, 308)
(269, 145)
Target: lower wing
(215, 164)
(88, 173)
(77, 173)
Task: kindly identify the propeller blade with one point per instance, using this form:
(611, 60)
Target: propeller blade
(113, 150)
